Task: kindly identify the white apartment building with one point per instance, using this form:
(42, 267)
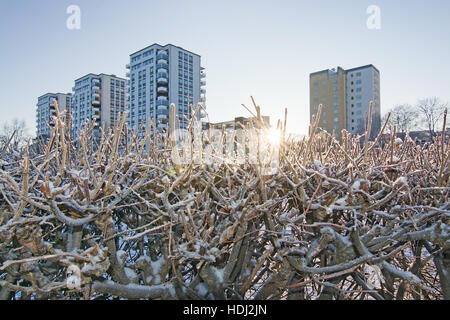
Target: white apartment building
(97, 97)
(45, 111)
(362, 87)
(159, 76)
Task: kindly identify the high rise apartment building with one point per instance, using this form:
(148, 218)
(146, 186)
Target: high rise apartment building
(45, 111)
(345, 96)
(100, 98)
(159, 76)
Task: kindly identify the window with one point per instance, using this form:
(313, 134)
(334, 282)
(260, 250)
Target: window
(336, 111)
(315, 84)
(336, 119)
(358, 89)
(358, 81)
(316, 92)
(358, 97)
(335, 96)
(335, 88)
(335, 104)
(324, 83)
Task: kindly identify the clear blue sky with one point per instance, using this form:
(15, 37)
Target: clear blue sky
(249, 47)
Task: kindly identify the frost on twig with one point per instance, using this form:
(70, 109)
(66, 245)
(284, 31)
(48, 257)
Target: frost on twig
(335, 220)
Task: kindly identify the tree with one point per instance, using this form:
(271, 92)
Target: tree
(431, 111)
(404, 117)
(13, 134)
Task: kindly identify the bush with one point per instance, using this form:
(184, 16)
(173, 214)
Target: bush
(97, 219)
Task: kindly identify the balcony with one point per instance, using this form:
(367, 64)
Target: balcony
(127, 66)
(162, 90)
(202, 83)
(202, 75)
(162, 112)
(202, 91)
(164, 104)
(162, 81)
(162, 118)
(161, 61)
(95, 102)
(163, 74)
(162, 55)
(128, 75)
(161, 71)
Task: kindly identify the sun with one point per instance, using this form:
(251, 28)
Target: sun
(274, 136)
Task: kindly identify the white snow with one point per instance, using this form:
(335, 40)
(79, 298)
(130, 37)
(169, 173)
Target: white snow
(156, 267)
(202, 289)
(398, 141)
(131, 274)
(219, 273)
(121, 256)
(401, 181)
(357, 185)
(342, 201)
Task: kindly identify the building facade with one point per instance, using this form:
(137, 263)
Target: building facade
(45, 111)
(362, 87)
(159, 76)
(100, 98)
(327, 88)
(345, 96)
(239, 123)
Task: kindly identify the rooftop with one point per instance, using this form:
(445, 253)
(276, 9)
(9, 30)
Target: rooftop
(157, 44)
